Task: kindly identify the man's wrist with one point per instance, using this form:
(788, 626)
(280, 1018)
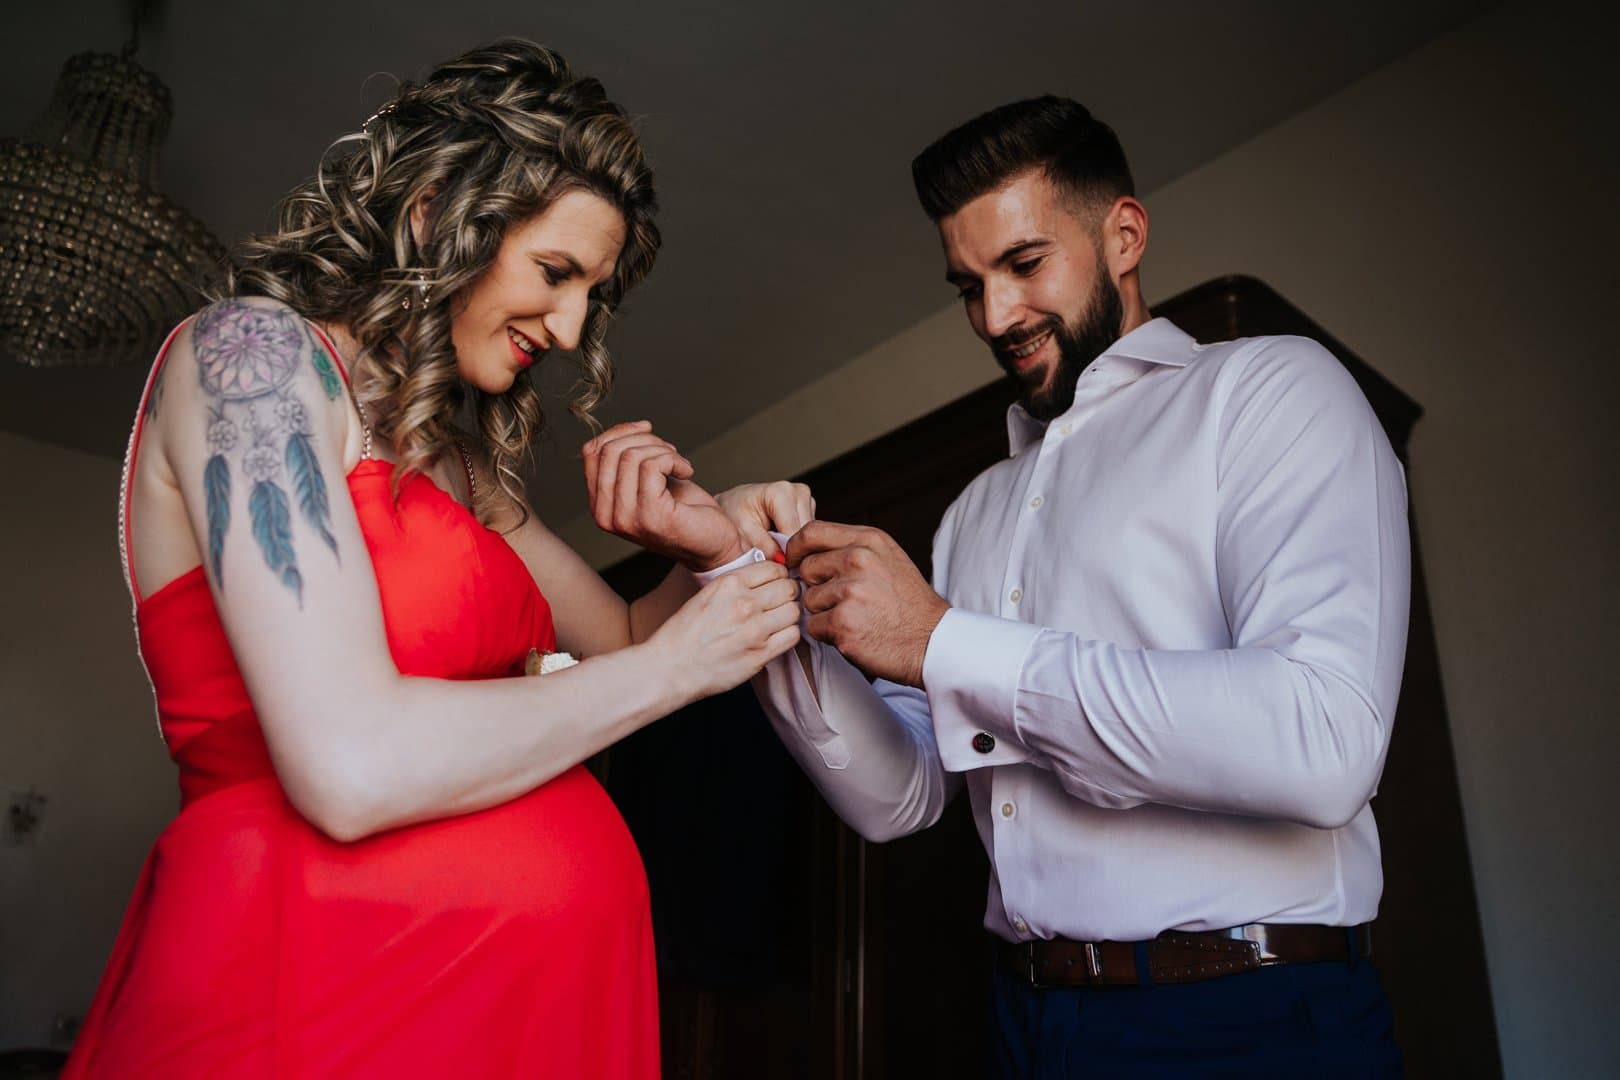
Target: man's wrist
(930, 622)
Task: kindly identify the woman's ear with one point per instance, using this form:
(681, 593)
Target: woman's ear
(424, 214)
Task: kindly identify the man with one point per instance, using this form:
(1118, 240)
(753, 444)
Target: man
(1162, 648)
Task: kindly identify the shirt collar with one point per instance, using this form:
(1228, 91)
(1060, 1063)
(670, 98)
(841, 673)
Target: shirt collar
(1157, 341)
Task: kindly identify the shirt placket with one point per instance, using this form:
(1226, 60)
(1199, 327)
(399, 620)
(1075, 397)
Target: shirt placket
(1019, 594)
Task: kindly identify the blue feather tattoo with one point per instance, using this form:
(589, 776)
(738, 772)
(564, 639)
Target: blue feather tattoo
(311, 487)
(272, 528)
(217, 487)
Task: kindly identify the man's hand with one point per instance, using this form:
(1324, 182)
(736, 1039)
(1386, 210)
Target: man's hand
(757, 509)
(640, 488)
(866, 598)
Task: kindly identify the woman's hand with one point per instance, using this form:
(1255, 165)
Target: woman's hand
(757, 509)
(641, 488)
(730, 629)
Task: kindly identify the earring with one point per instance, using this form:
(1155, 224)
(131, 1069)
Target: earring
(422, 293)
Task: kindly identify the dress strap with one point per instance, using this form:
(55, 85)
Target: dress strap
(150, 397)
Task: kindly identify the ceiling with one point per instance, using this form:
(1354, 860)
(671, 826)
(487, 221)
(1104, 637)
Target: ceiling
(781, 134)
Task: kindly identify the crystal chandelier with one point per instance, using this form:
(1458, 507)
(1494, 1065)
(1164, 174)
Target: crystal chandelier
(95, 265)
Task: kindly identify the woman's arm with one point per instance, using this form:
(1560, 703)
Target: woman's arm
(590, 618)
(253, 429)
(641, 488)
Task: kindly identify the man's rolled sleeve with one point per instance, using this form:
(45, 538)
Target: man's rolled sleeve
(971, 672)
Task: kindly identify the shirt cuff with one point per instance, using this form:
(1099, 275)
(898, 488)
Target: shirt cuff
(970, 673)
(752, 555)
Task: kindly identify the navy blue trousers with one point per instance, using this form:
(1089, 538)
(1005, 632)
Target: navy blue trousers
(1293, 1020)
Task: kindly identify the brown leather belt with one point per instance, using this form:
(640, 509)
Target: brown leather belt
(1179, 957)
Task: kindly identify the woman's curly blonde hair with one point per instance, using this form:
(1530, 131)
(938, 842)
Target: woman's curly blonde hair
(490, 139)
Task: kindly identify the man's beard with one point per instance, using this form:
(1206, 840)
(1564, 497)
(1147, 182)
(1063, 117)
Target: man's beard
(1078, 345)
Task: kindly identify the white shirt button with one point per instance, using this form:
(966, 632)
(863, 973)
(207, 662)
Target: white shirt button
(1021, 926)
(1008, 810)
(1016, 595)
(1066, 429)
(1035, 503)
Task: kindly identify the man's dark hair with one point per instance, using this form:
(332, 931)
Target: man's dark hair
(1079, 153)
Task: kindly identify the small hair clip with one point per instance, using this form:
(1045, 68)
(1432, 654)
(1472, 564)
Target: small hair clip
(416, 278)
(384, 111)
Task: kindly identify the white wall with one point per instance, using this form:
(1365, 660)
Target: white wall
(1452, 219)
(76, 724)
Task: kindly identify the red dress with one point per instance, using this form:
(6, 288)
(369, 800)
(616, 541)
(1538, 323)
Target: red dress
(515, 941)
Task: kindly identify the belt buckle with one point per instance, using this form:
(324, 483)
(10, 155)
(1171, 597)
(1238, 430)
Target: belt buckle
(1093, 962)
(1258, 935)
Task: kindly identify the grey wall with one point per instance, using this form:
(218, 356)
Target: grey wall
(76, 724)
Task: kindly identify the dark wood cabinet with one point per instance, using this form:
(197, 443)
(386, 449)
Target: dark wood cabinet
(789, 947)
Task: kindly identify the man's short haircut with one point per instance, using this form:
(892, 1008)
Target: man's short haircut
(1079, 154)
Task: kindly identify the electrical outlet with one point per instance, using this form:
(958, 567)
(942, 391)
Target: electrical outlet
(24, 812)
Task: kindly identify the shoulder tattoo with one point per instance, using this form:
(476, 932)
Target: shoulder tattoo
(260, 429)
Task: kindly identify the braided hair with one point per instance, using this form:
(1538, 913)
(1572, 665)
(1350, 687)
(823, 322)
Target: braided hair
(490, 140)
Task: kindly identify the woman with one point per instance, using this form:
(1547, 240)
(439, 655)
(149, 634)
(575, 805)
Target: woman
(389, 860)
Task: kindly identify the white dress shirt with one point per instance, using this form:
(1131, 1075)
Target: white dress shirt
(1172, 657)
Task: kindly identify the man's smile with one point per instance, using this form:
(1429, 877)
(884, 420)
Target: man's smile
(1026, 354)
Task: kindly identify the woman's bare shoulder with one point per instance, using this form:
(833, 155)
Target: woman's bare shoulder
(250, 351)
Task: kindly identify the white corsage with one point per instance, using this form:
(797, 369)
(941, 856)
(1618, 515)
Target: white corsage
(539, 663)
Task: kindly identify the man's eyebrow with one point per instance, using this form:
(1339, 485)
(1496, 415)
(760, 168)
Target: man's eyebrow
(1018, 248)
(960, 278)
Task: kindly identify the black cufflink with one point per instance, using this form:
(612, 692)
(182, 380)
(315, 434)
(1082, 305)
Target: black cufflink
(984, 742)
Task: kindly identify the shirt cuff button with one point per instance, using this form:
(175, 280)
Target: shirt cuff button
(984, 742)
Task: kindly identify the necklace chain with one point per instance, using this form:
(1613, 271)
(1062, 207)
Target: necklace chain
(365, 430)
(365, 451)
